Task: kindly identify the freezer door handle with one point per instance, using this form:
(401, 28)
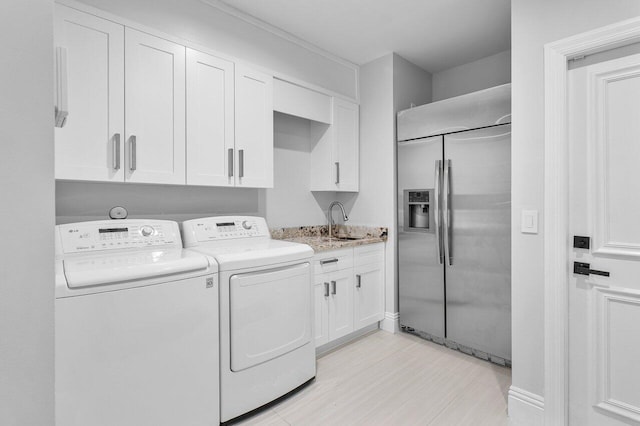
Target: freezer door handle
(436, 210)
(448, 246)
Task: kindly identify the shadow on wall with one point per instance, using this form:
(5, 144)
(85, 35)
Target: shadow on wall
(82, 201)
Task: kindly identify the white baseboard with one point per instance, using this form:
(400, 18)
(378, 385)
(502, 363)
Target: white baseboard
(525, 408)
(390, 322)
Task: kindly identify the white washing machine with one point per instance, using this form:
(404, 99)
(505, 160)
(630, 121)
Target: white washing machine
(266, 345)
(136, 326)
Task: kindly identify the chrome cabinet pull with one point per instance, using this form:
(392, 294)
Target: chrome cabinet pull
(436, 210)
(358, 280)
(448, 246)
(337, 172)
(116, 151)
(326, 261)
(241, 163)
(132, 153)
(230, 162)
(333, 287)
(326, 289)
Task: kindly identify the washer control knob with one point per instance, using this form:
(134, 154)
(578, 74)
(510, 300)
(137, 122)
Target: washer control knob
(146, 231)
(246, 224)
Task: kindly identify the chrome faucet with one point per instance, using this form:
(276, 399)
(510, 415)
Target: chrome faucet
(330, 216)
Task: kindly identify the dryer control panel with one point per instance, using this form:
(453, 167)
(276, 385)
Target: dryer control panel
(224, 228)
(113, 235)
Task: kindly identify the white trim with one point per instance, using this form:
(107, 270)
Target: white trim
(390, 322)
(75, 4)
(525, 408)
(556, 209)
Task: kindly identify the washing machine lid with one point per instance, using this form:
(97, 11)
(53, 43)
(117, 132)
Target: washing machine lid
(87, 271)
(253, 252)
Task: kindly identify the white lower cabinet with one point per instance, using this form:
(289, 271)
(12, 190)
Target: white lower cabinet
(369, 285)
(349, 291)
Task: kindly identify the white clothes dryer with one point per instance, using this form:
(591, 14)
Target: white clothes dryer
(266, 345)
(136, 325)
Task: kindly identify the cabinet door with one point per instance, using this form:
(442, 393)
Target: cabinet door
(369, 294)
(321, 311)
(340, 303)
(155, 109)
(254, 128)
(346, 148)
(90, 51)
(210, 120)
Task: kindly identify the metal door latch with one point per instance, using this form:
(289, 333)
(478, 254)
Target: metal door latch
(583, 269)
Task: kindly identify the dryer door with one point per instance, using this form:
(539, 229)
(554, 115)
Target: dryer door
(270, 313)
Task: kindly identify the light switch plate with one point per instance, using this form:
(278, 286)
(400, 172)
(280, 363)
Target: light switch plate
(529, 223)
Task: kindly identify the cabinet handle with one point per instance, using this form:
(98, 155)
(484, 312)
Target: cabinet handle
(116, 151)
(333, 287)
(132, 153)
(337, 172)
(358, 281)
(241, 163)
(325, 261)
(230, 162)
(326, 289)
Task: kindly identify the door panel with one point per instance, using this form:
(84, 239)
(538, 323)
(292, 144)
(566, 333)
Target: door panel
(604, 312)
(340, 303)
(270, 314)
(210, 119)
(369, 296)
(155, 109)
(479, 276)
(254, 129)
(421, 275)
(86, 145)
(321, 312)
(346, 144)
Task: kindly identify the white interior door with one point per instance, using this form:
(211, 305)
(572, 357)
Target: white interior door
(89, 145)
(210, 117)
(155, 109)
(604, 312)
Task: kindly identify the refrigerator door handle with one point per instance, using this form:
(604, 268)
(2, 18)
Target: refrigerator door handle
(448, 247)
(436, 210)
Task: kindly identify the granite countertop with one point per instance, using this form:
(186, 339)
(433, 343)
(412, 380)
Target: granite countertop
(343, 236)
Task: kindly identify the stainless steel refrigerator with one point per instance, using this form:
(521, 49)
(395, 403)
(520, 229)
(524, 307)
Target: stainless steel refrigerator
(454, 230)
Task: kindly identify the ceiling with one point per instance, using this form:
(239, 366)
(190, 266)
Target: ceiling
(433, 34)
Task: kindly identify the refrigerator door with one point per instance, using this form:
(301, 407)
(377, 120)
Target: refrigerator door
(478, 240)
(420, 252)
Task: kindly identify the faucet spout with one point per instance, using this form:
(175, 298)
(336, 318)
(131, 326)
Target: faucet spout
(330, 215)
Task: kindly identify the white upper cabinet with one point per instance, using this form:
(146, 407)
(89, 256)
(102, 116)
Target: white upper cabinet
(335, 155)
(299, 101)
(210, 120)
(90, 69)
(254, 128)
(155, 109)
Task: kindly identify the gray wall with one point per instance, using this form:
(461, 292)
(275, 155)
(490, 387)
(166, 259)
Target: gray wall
(198, 22)
(534, 24)
(388, 84)
(486, 72)
(26, 214)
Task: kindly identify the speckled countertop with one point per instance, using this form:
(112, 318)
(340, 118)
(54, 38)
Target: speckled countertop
(343, 236)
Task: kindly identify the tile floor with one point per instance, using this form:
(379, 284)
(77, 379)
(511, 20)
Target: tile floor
(396, 379)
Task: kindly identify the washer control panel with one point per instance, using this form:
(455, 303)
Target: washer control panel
(226, 228)
(113, 235)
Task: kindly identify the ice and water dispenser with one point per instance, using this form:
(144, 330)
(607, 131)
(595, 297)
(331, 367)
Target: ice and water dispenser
(418, 210)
